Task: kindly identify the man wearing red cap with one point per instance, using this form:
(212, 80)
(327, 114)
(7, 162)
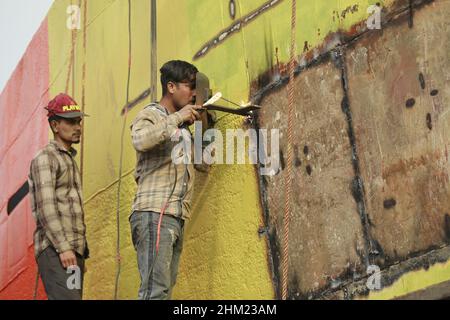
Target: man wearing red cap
(56, 200)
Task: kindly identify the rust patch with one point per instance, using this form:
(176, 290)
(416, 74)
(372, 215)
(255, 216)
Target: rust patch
(389, 275)
(355, 30)
(325, 215)
(416, 212)
(404, 166)
(331, 41)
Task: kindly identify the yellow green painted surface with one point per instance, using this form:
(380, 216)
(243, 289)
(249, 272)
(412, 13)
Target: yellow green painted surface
(414, 281)
(223, 256)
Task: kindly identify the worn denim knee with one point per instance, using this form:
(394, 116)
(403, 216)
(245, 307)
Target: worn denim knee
(158, 270)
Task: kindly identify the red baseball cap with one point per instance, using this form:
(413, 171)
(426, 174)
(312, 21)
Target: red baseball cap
(64, 106)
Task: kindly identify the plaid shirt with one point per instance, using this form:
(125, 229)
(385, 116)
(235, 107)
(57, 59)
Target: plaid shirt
(56, 201)
(156, 174)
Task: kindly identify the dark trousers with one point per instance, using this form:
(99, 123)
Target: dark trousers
(60, 283)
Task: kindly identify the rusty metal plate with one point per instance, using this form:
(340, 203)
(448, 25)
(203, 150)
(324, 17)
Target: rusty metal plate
(400, 98)
(326, 244)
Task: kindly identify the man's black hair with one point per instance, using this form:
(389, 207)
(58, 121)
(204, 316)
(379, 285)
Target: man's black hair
(177, 71)
(55, 117)
(51, 118)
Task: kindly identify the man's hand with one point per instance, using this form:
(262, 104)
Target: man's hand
(68, 259)
(190, 113)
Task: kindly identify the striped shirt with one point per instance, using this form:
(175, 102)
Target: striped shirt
(157, 176)
(56, 201)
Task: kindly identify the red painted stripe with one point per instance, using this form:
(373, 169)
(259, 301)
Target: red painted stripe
(22, 286)
(24, 131)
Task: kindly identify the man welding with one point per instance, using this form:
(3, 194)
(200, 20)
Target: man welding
(164, 189)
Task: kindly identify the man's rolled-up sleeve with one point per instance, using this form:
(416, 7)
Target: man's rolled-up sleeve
(148, 130)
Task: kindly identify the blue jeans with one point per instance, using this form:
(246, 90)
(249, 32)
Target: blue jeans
(158, 271)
